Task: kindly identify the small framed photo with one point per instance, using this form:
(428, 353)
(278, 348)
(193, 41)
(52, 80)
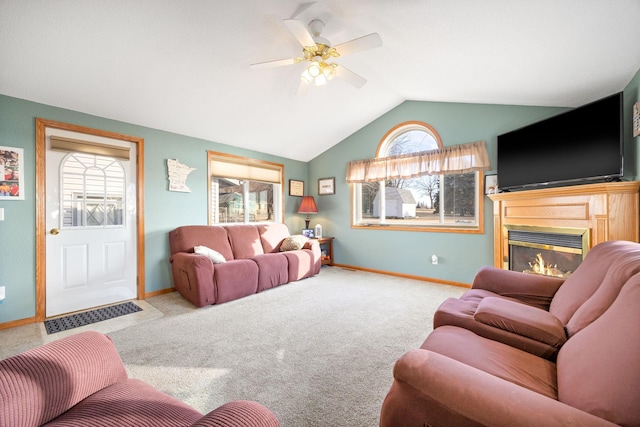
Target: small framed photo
(491, 184)
(11, 173)
(308, 232)
(326, 186)
(296, 188)
(636, 119)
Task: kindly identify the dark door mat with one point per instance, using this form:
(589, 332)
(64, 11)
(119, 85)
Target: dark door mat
(92, 316)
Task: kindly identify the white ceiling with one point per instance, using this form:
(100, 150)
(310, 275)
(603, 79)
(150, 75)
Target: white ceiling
(183, 66)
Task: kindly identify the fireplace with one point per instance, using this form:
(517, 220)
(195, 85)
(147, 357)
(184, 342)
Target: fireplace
(549, 251)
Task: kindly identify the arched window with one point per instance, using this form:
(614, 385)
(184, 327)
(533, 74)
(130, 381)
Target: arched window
(93, 191)
(435, 201)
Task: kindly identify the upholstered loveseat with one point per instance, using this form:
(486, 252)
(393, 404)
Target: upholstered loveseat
(587, 372)
(80, 380)
(246, 259)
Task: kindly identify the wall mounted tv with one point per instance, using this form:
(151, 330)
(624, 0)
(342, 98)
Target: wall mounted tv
(578, 146)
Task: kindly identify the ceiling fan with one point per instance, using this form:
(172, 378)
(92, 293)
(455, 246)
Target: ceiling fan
(318, 52)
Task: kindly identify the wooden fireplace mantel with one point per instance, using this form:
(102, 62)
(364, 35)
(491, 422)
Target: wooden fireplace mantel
(610, 211)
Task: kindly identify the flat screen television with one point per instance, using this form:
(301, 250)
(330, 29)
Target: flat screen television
(582, 145)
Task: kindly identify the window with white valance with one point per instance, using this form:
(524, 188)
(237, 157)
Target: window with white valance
(447, 160)
(416, 183)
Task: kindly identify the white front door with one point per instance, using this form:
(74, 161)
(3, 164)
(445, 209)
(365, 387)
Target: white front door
(91, 250)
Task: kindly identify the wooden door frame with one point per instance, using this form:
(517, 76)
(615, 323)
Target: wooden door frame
(41, 183)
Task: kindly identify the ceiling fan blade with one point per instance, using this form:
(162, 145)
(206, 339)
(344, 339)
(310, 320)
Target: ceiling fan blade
(302, 8)
(270, 64)
(350, 77)
(361, 43)
(300, 32)
(303, 88)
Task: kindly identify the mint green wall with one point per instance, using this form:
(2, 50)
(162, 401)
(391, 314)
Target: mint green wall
(395, 251)
(164, 210)
(631, 151)
(460, 255)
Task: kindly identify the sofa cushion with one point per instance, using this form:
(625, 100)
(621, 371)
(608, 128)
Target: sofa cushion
(300, 264)
(272, 235)
(184, 239)
(521, 319)
(599, 367)
(293, 243)
(273, 270)
(245, 241)
(215, 256)
(235, 279)
(503, 361)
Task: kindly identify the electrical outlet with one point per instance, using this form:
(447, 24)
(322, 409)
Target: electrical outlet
(434, 259)
(1, 294)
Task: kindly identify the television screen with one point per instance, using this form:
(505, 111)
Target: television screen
(582, 144)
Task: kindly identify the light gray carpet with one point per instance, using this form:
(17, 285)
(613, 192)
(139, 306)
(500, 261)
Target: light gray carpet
(318, 352)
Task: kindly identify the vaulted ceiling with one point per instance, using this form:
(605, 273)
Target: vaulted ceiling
(184, 66)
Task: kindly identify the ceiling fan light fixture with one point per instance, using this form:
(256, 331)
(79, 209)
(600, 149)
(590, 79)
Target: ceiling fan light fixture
(306, 77)
(314, 69)
(329, 71)
(321, 80)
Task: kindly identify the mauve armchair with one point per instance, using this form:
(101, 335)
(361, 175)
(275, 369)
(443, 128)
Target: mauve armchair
(80, 380)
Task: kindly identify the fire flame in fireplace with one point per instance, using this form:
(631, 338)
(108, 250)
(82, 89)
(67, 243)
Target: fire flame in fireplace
(539, 266)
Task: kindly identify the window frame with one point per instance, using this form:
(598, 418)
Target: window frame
(383, 145)
(278, 202)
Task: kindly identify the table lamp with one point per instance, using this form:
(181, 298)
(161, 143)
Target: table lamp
(307, 206)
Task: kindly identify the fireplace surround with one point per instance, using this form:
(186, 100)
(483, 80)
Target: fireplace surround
(595, 212)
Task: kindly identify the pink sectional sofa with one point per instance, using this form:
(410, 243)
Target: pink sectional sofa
(252, 261)
(80, 380)
(478, 367)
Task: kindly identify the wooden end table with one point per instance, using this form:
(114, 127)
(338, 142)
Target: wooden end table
(326, 247)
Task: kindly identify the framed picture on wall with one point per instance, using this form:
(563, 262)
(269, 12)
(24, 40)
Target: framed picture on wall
(636, 119)
(296, 188)
(326, 186)
(11, 173)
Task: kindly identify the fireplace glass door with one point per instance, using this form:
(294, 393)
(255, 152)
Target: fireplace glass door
(550, 252)
(543, 261)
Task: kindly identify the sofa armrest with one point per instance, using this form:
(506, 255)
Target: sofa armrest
(42, 383)
(521, 319)
(311, 244)
(239, 413)
(532, 289)
(193, 277)
(460, 393)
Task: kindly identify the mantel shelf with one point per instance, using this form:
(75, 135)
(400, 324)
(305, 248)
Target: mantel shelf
(599, 188)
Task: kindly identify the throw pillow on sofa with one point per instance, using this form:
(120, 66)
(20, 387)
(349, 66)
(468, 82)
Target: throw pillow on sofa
(293, 243)
(215, 256)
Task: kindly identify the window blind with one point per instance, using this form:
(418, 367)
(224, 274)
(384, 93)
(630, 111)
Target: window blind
(224, 167)
(61, 143)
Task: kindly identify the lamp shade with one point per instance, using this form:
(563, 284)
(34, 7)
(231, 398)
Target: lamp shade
(308, 205)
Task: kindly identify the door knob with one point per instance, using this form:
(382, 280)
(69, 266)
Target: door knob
(54, 231)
